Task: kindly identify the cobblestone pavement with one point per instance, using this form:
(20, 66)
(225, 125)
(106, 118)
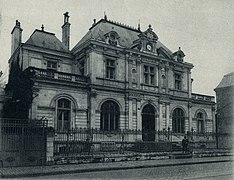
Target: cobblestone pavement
(91, 167)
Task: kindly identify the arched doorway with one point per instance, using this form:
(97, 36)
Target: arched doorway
(178, 121)
(109, 116)
(148, 123)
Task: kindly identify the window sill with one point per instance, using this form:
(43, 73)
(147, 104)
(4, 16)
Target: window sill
(107, 79)
(151, 85)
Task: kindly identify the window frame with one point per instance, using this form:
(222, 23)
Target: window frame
(50, 67)
(149, 75)
(110, 117)
(62, 111)
(178, 120)
(110, 71)
(202, 120)
(178, 81)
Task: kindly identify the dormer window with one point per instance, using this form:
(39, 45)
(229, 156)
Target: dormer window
(179, 55)
(112, 38)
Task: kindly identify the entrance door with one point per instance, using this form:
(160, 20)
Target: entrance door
(148, 123)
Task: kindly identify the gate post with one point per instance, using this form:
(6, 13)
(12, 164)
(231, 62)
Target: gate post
(49, 146)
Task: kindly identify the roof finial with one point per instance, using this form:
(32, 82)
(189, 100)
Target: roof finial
(139, 25)
(179, 48)
(105, 16)
(150, 27)
(42, 27)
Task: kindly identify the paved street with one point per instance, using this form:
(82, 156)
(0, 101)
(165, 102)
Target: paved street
(221, 170)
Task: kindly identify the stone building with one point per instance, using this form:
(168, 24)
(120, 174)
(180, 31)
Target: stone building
(115, 77)
(225, 111)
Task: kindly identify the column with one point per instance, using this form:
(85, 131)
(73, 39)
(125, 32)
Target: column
(129, 72)
(159, 79)
(189, 116)
(139, 119)
(167, 115)
(167, 74)
(130, 114)
(139, 122)
(189, 84)
(139, 73)
(160, 117)
(213, 119)
(157, 126)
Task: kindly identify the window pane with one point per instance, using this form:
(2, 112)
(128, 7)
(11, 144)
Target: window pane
(152, 79)
(110, 69)
(146, 77)
(178, 121)
(63, 118)
(109, 116)
(146, 68)
(112, 63)
(111, 73)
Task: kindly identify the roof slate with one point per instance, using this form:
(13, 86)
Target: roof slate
(227, 81)
(46, 40)
(126, 34)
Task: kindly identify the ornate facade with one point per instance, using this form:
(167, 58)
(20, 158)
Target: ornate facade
(116, 77)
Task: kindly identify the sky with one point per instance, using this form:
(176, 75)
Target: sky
(202, 28)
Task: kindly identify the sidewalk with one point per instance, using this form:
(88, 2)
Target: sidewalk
(15, 172)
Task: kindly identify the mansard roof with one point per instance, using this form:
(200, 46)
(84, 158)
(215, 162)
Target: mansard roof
(126, 33)
(45, 39)
(227, 81)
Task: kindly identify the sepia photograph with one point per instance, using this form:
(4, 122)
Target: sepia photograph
(116, 89)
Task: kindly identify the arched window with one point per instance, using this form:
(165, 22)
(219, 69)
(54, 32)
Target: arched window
(200, 123)
(63, 114)
(110, 116)
(178, 121)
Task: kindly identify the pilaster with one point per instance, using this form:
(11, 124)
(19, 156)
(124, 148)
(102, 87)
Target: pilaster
(139, 120)
(130, 114)
(189, 116)
(213, 119)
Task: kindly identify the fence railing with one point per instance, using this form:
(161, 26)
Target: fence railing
(94, 141)
(89, 141)
(22, 141)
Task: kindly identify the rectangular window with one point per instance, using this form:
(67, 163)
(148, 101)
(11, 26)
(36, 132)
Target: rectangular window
(149, 75)
(51, 65)
(110, 69)
(178, 81)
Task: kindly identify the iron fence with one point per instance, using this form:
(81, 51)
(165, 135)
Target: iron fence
(80, 141)
(22, 142)
(94, 141)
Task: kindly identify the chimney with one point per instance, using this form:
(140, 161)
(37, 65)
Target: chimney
(66, 31)
(16, 37)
